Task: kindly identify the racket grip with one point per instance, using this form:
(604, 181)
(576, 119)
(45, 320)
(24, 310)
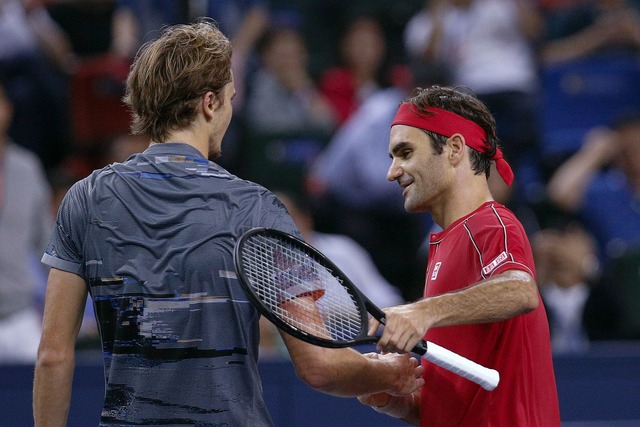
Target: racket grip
(486, 378)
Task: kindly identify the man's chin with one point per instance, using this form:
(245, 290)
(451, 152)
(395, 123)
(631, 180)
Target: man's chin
(409, 207)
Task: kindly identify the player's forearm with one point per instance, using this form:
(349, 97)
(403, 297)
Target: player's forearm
(347, 373)
(339, 372)
(495, 299)
(52, 391)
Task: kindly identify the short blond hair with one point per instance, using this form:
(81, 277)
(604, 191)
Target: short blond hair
(171, 73)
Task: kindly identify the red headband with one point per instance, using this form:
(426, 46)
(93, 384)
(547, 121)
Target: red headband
(446, 123)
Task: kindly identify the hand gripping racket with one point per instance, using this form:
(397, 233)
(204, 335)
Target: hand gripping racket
(303, 293)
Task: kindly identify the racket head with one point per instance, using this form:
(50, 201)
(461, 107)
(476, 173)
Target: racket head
(301, 291)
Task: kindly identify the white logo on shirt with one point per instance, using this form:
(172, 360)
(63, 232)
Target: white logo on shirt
(436, 268)
(493, 264)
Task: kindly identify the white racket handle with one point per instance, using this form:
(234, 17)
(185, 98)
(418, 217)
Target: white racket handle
(487, 378)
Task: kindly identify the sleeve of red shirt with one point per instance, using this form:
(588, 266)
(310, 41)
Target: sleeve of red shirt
(504, 244)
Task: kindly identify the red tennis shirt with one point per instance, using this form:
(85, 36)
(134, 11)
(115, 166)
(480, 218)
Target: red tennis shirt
(487, 242)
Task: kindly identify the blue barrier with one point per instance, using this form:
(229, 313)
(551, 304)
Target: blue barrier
(599, 388)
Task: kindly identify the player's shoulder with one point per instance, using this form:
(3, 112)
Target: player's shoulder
(246, 188)
(492, 215)
(88, 184)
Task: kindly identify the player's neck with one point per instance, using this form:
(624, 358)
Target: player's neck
(463, 200)
(196, 137)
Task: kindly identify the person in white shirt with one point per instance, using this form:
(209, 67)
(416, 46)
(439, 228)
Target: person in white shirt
(348, 255)
(488, 47)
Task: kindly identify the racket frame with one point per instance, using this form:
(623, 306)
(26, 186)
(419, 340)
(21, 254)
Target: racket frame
(364, 305)
(485, 377)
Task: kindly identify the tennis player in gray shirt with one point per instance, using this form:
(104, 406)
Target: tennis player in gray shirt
(151, 241)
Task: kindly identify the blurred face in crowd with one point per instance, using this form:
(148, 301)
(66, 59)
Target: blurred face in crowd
(364, 45)
(285, 54)
(565, 257)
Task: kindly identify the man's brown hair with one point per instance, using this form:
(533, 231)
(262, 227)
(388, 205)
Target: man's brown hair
(464, 104)
(171, 73)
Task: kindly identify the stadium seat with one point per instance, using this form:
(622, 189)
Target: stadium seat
(584, 93)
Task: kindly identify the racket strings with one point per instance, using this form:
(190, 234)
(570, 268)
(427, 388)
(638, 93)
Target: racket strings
(300, 290)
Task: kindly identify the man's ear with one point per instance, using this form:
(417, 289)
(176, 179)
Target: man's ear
(457, 147)
(210, 103)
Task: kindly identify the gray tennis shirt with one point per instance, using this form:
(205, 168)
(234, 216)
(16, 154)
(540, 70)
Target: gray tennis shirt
(153, 237)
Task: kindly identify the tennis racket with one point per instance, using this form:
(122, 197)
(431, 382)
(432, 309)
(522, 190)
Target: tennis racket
(303, 293)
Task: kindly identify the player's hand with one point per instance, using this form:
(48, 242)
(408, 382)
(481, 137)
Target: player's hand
(405, 325)
(407, 372)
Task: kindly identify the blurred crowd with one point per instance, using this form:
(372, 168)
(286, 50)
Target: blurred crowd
(318, 83)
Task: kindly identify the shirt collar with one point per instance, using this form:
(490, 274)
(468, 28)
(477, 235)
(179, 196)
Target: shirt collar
(174, 148)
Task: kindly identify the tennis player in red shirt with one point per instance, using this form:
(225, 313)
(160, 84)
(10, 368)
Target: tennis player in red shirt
(480, 299)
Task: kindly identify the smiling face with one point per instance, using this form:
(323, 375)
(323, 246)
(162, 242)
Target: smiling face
(423, 175)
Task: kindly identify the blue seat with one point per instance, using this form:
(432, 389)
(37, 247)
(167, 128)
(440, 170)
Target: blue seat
(581, 94)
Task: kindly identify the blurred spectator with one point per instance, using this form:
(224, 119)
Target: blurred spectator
(243, 21)
(621, 279)
(354, 261)
(283, 97)
(568, 269)
(489, 47)
(26, 28)
(98, 81)
(601, 182)
(286, 121)
(349, 181)
(362, 67)
(361, 184)
(135, 22)
(346, 253)
(587, 27)
(330, 18)
(25, 223)
(86, 24)
(35, 58)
